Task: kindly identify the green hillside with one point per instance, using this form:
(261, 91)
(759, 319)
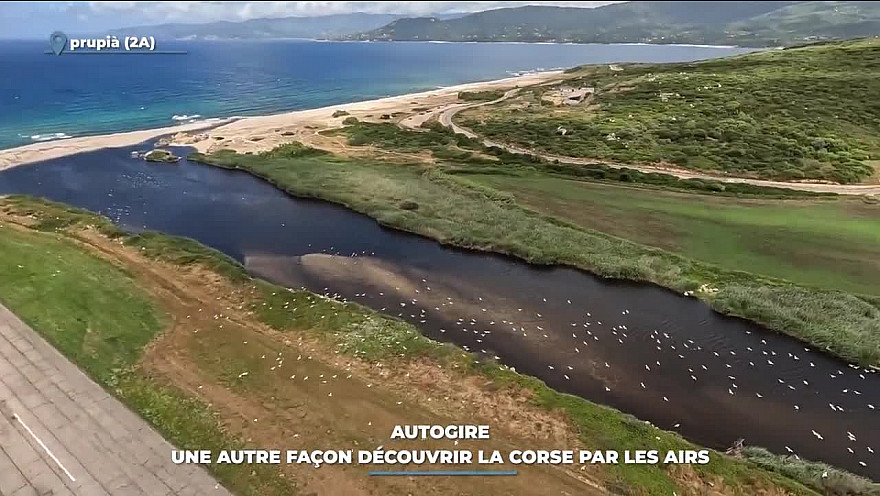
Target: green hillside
(762, 23)
(800, 113)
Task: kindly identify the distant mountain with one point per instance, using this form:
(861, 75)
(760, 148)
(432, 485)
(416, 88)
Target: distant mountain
(322, 27)
(750, 23)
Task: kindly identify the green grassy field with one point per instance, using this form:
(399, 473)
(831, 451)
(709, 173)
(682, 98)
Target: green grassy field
(91, 290)
(37, 268)
(782, 114)
(95, 314)
(828, 243)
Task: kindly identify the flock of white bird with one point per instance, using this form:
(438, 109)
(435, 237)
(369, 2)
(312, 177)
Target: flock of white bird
(589, 331)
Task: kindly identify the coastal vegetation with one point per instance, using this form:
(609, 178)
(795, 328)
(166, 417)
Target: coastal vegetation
(820, 476)
(480, 96)
(812, 239)
(471, 157)
(801, 113)
(829, 243)
(457, 210)
(159, 155)
(214, 323)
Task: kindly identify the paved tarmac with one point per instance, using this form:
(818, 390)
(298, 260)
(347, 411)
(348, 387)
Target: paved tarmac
(62, 434)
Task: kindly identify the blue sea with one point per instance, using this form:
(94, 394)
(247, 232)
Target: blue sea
(44, 97)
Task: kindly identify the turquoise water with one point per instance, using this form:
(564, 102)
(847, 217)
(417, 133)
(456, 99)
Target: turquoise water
(43, 96)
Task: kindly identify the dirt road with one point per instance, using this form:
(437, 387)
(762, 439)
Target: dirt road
(445, 117)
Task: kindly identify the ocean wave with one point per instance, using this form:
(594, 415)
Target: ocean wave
(185, 117)
(49, 137)
(533, 71)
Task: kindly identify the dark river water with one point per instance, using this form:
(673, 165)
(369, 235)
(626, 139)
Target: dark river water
(647, 351)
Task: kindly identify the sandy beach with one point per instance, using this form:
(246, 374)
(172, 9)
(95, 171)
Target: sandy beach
(259, 133)
(262, 133)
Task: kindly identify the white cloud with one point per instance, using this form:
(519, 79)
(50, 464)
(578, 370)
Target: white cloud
(240, 11)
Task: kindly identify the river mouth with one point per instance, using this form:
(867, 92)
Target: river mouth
(642, 349)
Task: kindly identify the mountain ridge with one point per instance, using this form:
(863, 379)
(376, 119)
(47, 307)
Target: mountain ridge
(318, 27)
(752, 23)
(746, 23)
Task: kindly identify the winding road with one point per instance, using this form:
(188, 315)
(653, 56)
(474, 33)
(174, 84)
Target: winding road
(446, 114)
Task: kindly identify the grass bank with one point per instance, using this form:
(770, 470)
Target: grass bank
(346, 327)
(831, 243)
(95, 313)
(455, 210)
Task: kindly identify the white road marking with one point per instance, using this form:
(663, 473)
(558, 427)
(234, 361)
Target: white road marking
(40, 442)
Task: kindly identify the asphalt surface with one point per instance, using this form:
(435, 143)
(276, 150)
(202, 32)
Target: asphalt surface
(62, 434)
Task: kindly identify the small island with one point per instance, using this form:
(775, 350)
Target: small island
(161, 156)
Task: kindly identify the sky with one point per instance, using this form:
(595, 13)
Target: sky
(37, 19)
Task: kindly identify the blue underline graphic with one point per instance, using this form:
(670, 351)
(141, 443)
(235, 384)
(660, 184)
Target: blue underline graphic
(424, 473)
(121, 52)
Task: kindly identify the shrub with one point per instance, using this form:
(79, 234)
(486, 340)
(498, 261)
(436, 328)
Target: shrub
(824, 478)
(480, 96)
(292, 150)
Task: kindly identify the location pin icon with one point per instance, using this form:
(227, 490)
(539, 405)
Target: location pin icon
(57, 41)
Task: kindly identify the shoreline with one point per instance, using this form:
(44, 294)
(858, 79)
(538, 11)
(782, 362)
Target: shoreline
(477, 248)
(48, 150)
(625, 43)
